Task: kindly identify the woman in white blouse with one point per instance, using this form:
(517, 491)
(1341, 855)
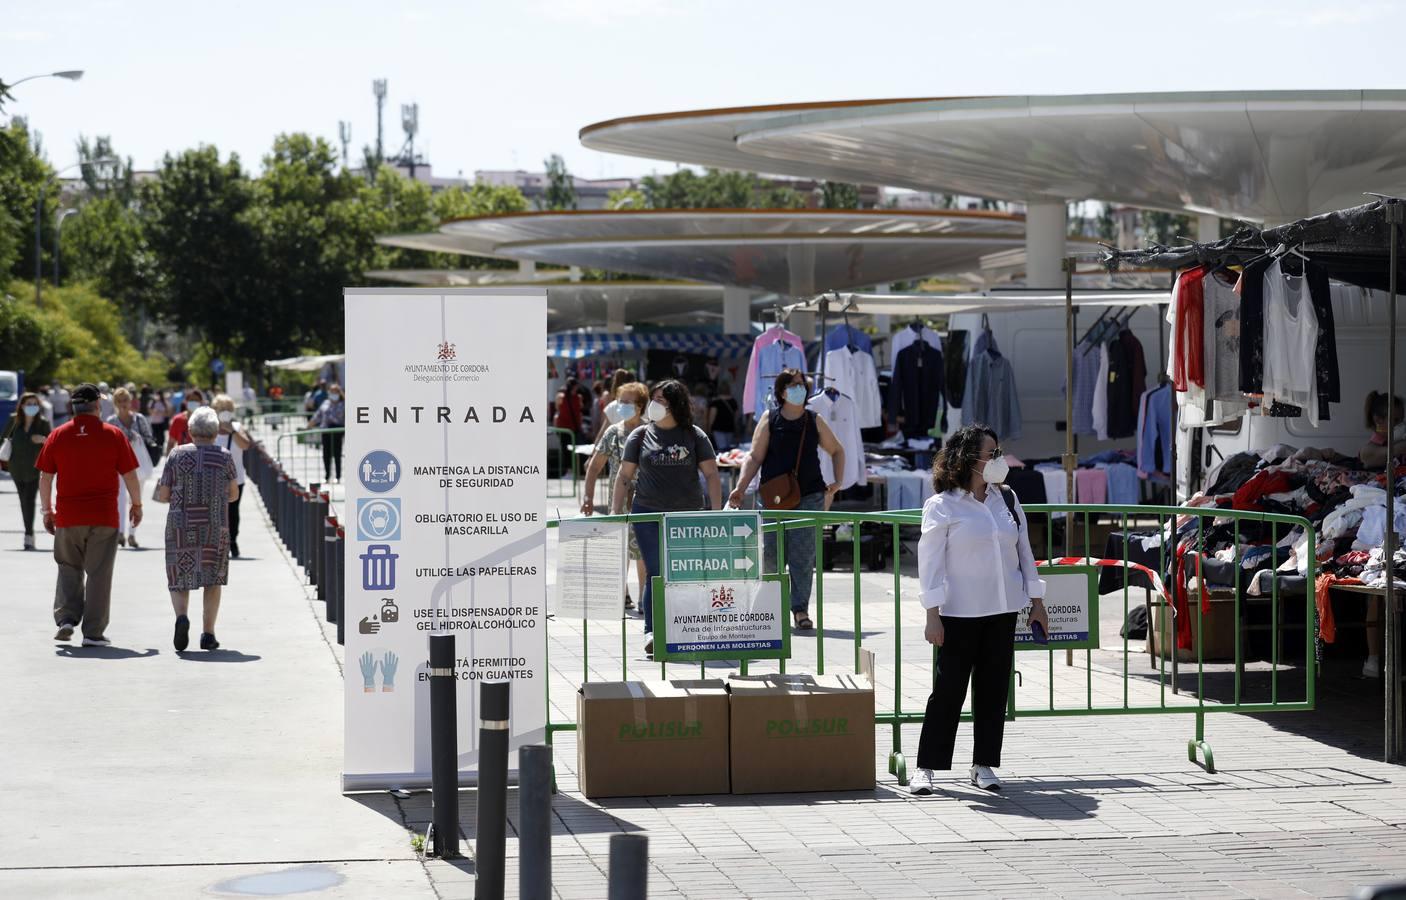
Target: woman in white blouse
(977, 573)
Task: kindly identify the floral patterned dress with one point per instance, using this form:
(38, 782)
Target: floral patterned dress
(197, 526)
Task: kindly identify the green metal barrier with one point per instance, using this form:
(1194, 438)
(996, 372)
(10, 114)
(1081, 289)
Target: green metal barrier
(1101, 689)
(562, 443)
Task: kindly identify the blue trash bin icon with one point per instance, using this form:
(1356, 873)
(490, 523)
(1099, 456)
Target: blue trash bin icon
(378, 568)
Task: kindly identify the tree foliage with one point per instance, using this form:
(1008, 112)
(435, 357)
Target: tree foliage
(76, 336)
(23, 172)
(561, 187)
(717, 189)
(839, 195)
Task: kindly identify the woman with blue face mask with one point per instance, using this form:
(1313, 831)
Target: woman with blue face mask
(790, 439)
(26, 432)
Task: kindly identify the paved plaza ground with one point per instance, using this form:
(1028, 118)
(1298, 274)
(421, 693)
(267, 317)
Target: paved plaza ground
(135, 771)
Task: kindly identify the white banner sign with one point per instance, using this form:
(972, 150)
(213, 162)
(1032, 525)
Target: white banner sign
(591, 558)
(741, 618)
(444, 519)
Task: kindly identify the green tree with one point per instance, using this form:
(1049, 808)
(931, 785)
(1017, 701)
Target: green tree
(1163, 227)
(77, 336)
(30, 342)
(112, 178)
(478, 199)
(717, 189)
(626, 198)
(22, 172)
(839, 195)
(561, 187)
(209, 253)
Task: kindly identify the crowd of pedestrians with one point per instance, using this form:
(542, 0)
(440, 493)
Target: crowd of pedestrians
(81, 459)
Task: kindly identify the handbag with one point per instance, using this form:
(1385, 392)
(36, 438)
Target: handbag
(6, 449)
(784, 491)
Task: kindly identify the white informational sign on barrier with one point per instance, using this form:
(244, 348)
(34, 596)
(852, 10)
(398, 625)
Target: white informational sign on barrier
(234, 386)
(723, 620)
(591, 559)
(445, 526)
(1071, 602)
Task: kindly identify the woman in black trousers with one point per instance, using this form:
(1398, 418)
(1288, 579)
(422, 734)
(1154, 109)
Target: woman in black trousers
(976, 573)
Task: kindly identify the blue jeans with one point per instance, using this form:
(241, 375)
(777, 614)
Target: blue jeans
(647, 536)
(800, 554)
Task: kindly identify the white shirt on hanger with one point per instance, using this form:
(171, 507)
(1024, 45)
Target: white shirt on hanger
(840, 414)
(1100, 408)
(1290, 341)
(853, 373)
(973, 558)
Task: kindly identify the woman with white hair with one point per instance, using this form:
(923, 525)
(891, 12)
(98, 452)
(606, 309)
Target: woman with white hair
(199, 482)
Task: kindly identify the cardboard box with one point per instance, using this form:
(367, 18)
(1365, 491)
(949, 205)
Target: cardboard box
(802, 733)
(652, 738)
(1218, 631)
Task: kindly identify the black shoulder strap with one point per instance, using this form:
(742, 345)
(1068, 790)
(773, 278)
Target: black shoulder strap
(1008, 495)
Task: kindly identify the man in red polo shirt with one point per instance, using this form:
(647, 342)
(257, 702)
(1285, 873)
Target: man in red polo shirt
(178, 432)
(88, 457)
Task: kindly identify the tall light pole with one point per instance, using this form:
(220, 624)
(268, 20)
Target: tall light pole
(39, 226)
(67, 74)
(58, 240)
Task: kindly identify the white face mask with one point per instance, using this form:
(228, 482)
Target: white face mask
(996, 470)
(226, 416)
(655, 411)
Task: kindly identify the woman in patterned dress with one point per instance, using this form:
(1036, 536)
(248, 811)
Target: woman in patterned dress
(611, 449)
(199, 482)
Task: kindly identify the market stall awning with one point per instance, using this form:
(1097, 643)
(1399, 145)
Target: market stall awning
(578, 344)
(304, 363)
(793, 252)
(996, 301)
(1247, 154)
(463, 277)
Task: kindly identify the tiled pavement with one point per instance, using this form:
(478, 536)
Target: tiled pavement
(1093, 807)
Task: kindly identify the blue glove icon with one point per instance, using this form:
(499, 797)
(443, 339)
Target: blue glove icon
(368, 672)
(389, 663)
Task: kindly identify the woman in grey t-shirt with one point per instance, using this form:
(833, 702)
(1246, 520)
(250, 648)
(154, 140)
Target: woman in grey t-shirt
(663, 460)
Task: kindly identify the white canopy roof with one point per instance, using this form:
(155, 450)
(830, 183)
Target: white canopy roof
(998, 301)
(1248, 154)
(794, 252)
(304, 363)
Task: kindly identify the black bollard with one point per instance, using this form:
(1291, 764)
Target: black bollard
(341, 586)
(535, 822)
(444, 747)
(329, 565)
(492, 825)
(629, 867)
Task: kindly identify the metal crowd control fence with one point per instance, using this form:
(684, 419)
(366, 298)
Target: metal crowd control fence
(561, 450)
(307, 525)
(1102, 683)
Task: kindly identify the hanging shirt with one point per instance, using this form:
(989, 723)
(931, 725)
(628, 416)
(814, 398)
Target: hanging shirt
(905, 336)
(1188, 330)
(767, 363)
(1086, 365)
(840, 414)
(750, 386)
(954, 351)
(915, 391)
(852, 373)
(1099, 410)
(1290, 340)
(1251, 289)
(1325, 354)
(1091, 486)
(1123, 485)
(974, 558)
(847, 336)
(991, 395)
(1127, 379)
(1154, 446)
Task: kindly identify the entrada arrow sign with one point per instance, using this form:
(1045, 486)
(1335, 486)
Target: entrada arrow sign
(712, 546)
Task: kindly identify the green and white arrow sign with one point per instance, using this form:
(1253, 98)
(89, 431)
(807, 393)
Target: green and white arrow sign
(712, 546)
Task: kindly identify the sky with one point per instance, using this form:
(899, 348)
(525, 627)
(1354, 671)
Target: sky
(500, 85)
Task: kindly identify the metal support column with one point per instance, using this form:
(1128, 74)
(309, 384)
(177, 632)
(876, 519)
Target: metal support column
(1391, 661)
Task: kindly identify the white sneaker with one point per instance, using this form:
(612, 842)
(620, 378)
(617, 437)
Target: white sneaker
(984, 778)
(96, 642)
(1372, 668)
(922, 784)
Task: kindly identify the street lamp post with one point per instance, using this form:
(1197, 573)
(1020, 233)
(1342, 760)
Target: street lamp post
(58, 240)
(67, 74)
(39, 225)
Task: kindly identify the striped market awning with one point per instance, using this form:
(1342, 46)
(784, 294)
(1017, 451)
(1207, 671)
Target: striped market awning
(578, 345)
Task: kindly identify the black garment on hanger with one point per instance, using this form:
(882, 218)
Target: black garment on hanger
(916, 391)
(1125, 386)
(1252, 326)
(954, 351)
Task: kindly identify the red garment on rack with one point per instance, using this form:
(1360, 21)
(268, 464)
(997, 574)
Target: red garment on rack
(1181, 601)
(1327, 625)
(1189, 342)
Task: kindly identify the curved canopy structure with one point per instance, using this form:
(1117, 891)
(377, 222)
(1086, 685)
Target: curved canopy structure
(794, 252)
(580, 304)
(1272, 155)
